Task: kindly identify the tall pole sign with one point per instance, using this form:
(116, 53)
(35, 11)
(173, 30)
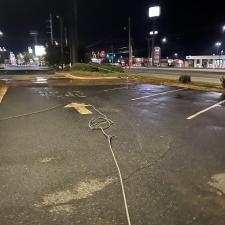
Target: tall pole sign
(74, 32)
(154, 12)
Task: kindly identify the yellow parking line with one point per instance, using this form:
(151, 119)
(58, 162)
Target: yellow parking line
(3, 90)
(162, 93)
(80, 107)
(205, 110)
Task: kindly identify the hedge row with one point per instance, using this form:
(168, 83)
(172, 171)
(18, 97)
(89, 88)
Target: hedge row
(91, 67)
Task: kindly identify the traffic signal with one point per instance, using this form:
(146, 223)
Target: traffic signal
(108, 56)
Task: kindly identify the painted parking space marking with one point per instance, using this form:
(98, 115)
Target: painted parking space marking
(3, 90)
(114, 89)
(162, 93)
(80, 107)
(205, 110)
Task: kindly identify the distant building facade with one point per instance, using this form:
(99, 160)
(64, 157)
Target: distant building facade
(207, 61)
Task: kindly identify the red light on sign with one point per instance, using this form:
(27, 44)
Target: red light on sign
(102, 54)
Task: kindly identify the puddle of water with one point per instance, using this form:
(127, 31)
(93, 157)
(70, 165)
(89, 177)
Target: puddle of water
(40, 80)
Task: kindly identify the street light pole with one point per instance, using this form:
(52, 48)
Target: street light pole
(130, 45)
(153, 42)
(164, 41)
(51, 29)
(61, 41)
(154, 12)
(74, 32)
(153, 34)
(149, 47)
(218, 44)
(34, 34)
(112, 54)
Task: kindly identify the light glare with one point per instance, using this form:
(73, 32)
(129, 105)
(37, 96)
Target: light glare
(40, 50)
(154, 32)
(154, 11)
(218, 44)
(164, 40)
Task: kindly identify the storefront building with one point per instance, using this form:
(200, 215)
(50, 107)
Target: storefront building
(209, 62)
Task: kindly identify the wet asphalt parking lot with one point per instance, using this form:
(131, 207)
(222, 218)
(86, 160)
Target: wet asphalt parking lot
(55, 170)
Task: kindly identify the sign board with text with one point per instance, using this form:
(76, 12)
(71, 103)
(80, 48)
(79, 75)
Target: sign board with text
(156, 55)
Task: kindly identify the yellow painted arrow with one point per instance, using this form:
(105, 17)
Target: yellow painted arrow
(80, 107)
(3, 90)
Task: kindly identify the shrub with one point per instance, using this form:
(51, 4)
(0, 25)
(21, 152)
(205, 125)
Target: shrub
(92, 67)
(222, 80)
(67, 68)
(106, 67)
(185, 79)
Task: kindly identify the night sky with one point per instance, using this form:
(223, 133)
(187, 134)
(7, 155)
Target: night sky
(191, 27)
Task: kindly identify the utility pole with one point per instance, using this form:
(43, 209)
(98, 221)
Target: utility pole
(153, 44)
(149, 48)
(61, 41)
(66, 37)
(130, 45)
(74, 32)
(112, 54)
(34, 34)
(51, 29)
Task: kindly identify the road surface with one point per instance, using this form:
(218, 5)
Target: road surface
(200, 75)
(55, 170)
(25, 70)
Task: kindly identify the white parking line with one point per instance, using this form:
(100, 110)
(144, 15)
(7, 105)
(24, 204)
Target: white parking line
(113, 89)
(162, 93)
(205, 110)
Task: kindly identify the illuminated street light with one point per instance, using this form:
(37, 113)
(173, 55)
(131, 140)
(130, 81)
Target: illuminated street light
(1, 33)
(164, 40)
(218, 44)
(153, 32)
(3, 49)
(223, 28)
